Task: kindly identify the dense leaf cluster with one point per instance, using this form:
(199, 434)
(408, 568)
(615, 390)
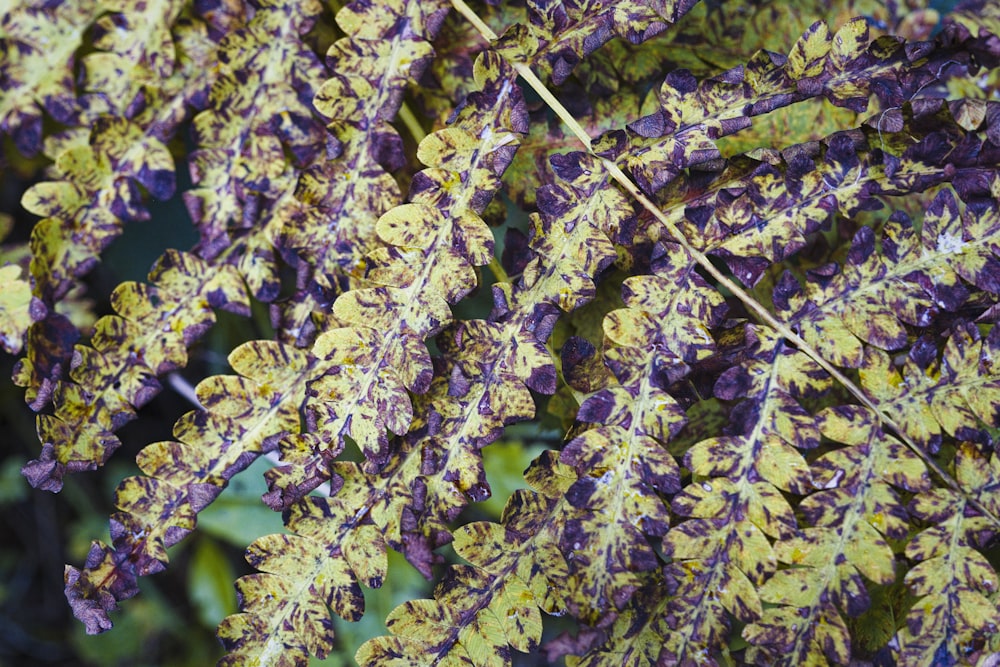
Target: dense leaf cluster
(746, 254)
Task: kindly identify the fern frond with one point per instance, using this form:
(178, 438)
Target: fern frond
(336, 409)
(483, 610)
(83, 213)
(436, 491)
(545, 286)
(258, 106)
(286, 607)
(438, 467)
(334, 546)
(693, 114)
(776, 494)
(100, 168)
(106, 383)
(109, 381)
(909, 282)
(622, 464)
(244, 416)
(786, 524)
(928, 398)
(925, 397)
(736, 501)
(386, 48)
(367, 367)
(490, 366)
(956, 584)
(38, 44)
(264, 415)
(434, 243)
(754, 219)
(852, 515)
(841, 650)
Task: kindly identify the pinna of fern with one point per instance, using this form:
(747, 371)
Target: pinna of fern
(331, 226)
(246, 412)
(811, 502)
(94, 399)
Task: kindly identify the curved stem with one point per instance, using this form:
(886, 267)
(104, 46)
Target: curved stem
(412, 123)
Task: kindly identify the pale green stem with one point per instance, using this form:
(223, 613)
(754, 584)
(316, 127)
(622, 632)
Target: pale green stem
(412, 123)
(474, 19)
(498, 271)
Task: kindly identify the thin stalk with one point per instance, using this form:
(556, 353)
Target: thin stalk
(412, 123)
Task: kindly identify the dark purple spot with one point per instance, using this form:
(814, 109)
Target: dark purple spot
(543, 379)
(653, 125)
(682, 81)
(862, 246)
(597, 408)
(575, 351)
(786, 288)
(160, 182)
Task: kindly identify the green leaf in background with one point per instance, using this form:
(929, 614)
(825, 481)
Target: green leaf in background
(238, 517)
(210, 587)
